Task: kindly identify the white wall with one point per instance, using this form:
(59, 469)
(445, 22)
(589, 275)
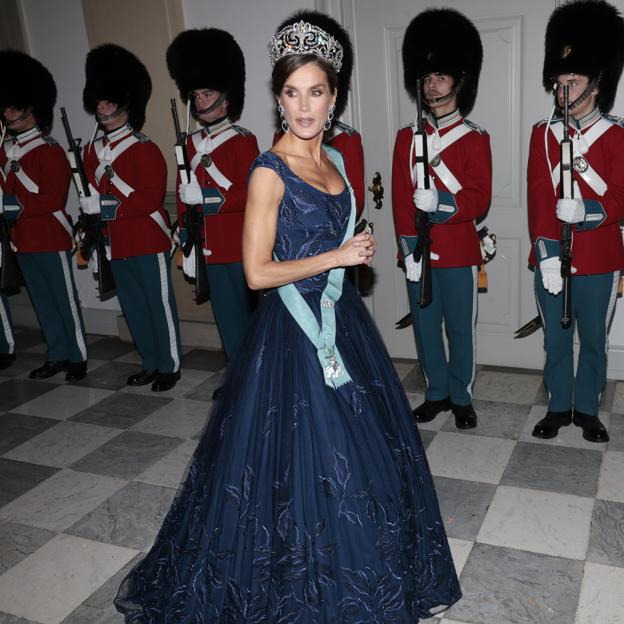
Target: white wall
(252, 24)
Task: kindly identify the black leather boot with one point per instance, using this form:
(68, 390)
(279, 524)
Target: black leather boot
(165, 381)
(49, 369)
(6, 359)
(142, 378)
(465, 416)
(76, 371)
(593, 429)
(428, 410)
(549, 426)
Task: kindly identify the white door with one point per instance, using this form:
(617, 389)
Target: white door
(510, 100)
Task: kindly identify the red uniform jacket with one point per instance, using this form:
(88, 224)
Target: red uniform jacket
(454, 235)
(597, 242)
(348, 141)
(138, 225)
(37, 228)
(223, 226)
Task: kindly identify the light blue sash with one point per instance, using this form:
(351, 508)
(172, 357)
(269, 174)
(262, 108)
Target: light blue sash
(324, 337)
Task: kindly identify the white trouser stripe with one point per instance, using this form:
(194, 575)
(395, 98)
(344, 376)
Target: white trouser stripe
(80, 341)
(164, 292)
(474, 328)
(611, 308)
(8, 334)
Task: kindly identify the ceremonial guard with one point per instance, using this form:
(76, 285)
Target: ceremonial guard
(344, 138)
(209, 70)
(452, 190)
(575, 219)
(35, 181)
(128, 177)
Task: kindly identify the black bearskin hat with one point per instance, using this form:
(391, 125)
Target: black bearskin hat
(333, 28)
(208, 58)
(26, 82)
(446, 42)
(116, 75)
(586, 37)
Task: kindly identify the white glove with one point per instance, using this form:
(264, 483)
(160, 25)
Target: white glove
(191, 193)
(188, 264)
(176, 236)
(91, 204)
(551, 275)
(426, 199)
(570, 210)
(413, 269)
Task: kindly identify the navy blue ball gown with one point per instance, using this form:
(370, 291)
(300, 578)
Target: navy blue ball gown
(304, 503)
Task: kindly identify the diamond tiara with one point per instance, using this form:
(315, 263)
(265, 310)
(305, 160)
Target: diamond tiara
(305, 38)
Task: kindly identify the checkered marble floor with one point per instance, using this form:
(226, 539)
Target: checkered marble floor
(88, 470)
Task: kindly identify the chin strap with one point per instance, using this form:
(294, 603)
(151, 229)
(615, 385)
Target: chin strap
(27, 113)
(213, 106)
(115, 113)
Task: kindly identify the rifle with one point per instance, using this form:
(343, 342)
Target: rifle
(9, 270)
(91, 225)
(566, 191)
(193, 217)
(423, 223)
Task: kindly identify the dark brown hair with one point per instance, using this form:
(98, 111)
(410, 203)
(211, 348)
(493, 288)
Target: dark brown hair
(291, 63)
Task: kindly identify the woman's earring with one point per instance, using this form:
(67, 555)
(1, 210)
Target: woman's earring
(280, 110)
(330, 117)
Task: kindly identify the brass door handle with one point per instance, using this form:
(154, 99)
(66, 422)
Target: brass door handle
(377, 190)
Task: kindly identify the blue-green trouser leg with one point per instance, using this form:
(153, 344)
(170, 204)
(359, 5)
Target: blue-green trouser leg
(146, 297)
(50, 283)
(7, 341)
(454, 302)
(232, 304)
(593, 306)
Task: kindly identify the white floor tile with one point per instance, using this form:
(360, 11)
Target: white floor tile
(611, 483)
(170, 470)
(63, 402)
(542, 522)
(61, 575)
(61, 500)
(469, 457)
(602, 599)
(62, 444)
(182, 418)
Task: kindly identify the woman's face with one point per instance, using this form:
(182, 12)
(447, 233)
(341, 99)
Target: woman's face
(306, 98)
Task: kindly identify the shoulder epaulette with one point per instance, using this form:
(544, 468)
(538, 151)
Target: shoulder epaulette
(619, 121)
(409, 125)
(143, 138)
(242, 130)
(49, 140)
(553, 121)
(343, 127)
(473, 126)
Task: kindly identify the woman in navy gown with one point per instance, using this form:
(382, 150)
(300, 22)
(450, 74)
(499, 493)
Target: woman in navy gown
(309, 499)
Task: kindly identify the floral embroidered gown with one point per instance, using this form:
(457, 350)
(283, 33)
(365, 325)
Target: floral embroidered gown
(304, 503)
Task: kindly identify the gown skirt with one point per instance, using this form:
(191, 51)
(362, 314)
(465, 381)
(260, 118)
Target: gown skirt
(303, 504)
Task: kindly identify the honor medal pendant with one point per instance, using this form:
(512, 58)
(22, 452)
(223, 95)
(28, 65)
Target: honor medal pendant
(14, 166)
(334, 369)
(108, 170)
(580, 164)
(206, 160)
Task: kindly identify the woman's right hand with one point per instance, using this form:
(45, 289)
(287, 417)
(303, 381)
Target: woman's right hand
(357, 250)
